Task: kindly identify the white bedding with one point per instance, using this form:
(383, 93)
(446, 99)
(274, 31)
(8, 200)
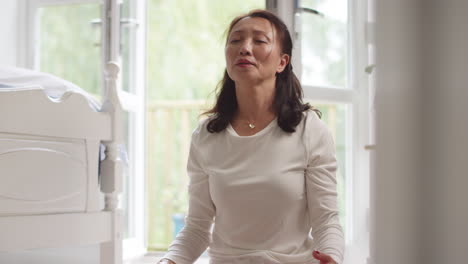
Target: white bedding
(12, 78)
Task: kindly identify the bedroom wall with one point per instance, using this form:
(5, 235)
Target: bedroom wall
(420, 186)
(8, 31)
(397, 192)
(445, 179)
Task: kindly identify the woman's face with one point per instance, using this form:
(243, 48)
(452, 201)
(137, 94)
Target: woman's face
(253, 52)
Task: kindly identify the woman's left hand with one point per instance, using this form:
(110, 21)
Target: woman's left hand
(324, 258)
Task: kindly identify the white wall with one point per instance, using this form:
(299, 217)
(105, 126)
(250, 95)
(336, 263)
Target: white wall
(398, 131)
(8, 31)
(420, 197)
(445, 131)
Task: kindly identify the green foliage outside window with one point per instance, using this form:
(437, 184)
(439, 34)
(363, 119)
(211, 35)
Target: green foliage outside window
(69, 45)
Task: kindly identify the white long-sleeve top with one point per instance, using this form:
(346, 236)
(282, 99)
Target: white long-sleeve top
(264, 194)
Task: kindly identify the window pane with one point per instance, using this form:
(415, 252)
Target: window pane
(69, 44)
(335, 116)
(128, 45)
(185, 63)
(324, 43)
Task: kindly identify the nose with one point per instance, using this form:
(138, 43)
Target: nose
(246, 48)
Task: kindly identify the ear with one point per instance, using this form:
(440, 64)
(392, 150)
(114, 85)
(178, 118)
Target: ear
(284, 60)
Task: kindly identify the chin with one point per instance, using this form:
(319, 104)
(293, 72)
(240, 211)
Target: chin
(244, 75)
(245, 79)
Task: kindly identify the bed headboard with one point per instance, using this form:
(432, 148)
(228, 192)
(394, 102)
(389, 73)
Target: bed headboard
(55, 142)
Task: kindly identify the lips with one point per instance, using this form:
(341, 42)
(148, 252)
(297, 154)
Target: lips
(244, 62)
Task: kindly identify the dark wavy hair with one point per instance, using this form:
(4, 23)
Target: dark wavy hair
(287, 103)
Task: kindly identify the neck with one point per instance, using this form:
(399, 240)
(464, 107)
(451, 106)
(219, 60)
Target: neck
(255, 102)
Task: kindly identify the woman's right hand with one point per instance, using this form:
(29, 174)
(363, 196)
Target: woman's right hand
(166, 261)
(324, 258)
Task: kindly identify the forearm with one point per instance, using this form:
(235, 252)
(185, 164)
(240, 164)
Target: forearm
(329, 238)
(190, 243)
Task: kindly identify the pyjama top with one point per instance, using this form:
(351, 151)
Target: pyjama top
(267, 198)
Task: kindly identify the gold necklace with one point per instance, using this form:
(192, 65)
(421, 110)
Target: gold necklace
(249, 124)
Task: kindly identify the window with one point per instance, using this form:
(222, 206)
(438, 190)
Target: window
(322, 28)
(323, 36)
(64, 30)
(131, 50)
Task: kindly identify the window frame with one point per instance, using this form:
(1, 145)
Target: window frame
(357, 97)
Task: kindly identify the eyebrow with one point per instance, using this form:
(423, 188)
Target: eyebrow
(255, 32)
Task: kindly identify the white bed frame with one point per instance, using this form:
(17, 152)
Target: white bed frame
(51, 194)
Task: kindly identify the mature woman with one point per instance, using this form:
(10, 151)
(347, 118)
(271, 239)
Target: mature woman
(262, 166)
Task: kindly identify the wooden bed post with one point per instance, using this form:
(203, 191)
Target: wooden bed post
(111, 167)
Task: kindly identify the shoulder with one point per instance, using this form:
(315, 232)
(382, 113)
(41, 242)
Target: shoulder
(200, 133)
(316, 131)
(201, 126)
(313, 122)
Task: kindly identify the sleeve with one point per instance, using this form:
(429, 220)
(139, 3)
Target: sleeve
(321, 191)
(195, 237)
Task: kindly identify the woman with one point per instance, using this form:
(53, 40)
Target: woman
(262, 166)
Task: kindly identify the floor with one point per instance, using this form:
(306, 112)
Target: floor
(153, 257)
